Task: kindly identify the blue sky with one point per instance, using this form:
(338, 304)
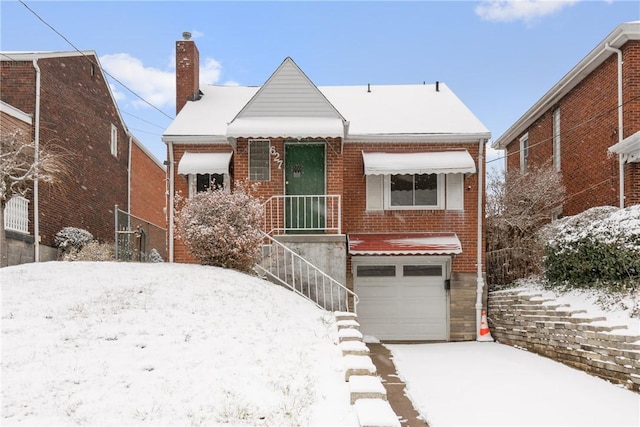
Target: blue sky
(499, 57)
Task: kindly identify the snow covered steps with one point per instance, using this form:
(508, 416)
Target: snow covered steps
(368, 395)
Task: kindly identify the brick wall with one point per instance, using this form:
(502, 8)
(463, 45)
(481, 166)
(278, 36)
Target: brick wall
(148, 187)
(76, 114)
(589, 126)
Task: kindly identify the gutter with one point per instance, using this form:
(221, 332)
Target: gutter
(171, 201)
(480, 278)
(620, 121)
(36, 159)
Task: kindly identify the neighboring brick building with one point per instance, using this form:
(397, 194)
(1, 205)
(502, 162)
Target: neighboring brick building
(594, 106)
(391, 177)
(19, 241)
(78, 114)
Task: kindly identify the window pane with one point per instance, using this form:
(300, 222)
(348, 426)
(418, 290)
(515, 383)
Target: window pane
(426, 190)
(376, 271)
(401, 190)
(207, 181)
(259, 160)
(422, 270)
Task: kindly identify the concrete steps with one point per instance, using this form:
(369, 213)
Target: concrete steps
(368, 395)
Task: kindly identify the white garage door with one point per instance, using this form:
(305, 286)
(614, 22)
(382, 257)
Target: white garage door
(401, 298)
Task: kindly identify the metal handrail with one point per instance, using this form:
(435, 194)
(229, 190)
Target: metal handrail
(309, 212)
(287, 268)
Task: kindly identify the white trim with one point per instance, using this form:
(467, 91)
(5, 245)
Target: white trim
(416, 138)
(16, 113)
(617, 38)
(439, 196)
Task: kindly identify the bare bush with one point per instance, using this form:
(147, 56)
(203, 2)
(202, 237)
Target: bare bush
(518, 205)
(22, 163)
(92, 251)
(222, 228)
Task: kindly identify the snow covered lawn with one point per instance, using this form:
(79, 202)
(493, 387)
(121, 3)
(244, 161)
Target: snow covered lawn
(164, 344)
(490, 384)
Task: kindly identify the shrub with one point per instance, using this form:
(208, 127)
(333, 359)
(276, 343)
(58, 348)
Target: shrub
(222, 228)
(70, 238)
(92, 251)
(154, 256)
(600, 247)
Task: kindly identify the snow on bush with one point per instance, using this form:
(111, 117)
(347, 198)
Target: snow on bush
(598, 246)
(72, 238)
(222, 228)
(154, 256)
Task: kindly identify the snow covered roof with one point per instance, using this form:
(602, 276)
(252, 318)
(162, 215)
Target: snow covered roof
(369, 113)
(629, 148)
(404, 244)
(381, 163)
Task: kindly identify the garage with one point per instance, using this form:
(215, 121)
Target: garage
(402, 298)
(402, 281)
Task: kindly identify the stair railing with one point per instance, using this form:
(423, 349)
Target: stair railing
(283, 266)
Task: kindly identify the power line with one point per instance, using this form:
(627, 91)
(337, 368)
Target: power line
(92, 62)
(569, 130)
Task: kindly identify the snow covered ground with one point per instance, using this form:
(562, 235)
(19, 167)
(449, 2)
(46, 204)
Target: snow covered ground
(490, 384)
(164, 344)
(173, 344)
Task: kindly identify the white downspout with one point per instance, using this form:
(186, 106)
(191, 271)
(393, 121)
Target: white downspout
(620, 121)
(36, 159)
(171, 190)
(129, 177)
(480, 278)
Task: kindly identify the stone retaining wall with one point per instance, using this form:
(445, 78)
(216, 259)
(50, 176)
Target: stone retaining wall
(569, 336)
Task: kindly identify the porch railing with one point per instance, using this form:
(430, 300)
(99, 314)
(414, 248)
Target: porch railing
(303, 213)
(16, 214)
(283, 266)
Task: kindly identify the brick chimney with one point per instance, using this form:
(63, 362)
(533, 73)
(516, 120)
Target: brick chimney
(187, 71)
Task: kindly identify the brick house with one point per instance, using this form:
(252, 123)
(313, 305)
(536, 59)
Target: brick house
(585, 125)
(71, 106)
(379, 186)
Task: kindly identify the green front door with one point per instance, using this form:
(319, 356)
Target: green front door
(305, 176)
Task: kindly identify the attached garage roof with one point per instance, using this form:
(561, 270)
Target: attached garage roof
(204, 163)
(404, 244)
(418, 163)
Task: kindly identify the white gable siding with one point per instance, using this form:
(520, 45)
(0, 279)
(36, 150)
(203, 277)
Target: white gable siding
(289, 93)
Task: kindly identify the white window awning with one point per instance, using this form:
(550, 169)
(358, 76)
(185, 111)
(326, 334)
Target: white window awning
(418, 163)
(286, 127)
(628, 148)
(204, 163)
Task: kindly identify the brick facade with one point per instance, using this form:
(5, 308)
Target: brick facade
(148, 186)
(589, 126)
(77, 114)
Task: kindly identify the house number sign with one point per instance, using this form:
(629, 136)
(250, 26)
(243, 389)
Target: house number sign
(276, 156)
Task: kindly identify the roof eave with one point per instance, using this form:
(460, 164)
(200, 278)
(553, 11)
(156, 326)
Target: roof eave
(617, 38)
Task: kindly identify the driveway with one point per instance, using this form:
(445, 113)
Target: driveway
(490, 384)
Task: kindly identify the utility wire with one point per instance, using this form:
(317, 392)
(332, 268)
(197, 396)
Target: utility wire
(568, 130)
(89, 59)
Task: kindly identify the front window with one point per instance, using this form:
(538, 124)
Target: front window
(412, 191)
(524, 153)
(556, 139)
(201, 182)
(114, 141)
(259, 169)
